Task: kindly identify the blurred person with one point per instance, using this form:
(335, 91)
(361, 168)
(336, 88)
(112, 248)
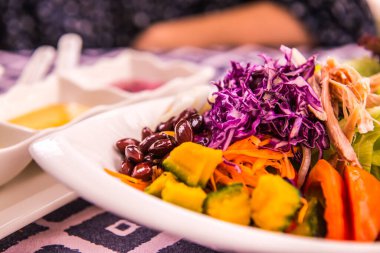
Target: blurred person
(162, 25)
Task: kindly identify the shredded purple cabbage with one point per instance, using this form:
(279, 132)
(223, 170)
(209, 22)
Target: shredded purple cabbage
(269, 99)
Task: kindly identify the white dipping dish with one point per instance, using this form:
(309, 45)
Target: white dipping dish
(131, 65)
(89, 86)
(83, 150)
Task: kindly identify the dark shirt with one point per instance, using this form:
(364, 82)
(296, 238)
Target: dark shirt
(116, 23)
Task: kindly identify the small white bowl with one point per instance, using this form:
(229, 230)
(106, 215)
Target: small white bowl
(89, 86)
(130, 66)
(15, 139)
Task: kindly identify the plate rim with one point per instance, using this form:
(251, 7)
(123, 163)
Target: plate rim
(48, 200)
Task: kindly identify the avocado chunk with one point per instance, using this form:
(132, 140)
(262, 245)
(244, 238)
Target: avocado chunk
(274, 203)
(156, 187)
(193, 163)
(230, 203)
(182, 195)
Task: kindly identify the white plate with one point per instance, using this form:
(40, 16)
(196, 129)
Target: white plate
(86, 148)
(28, 197)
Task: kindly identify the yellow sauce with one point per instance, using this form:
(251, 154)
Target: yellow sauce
(49, 116)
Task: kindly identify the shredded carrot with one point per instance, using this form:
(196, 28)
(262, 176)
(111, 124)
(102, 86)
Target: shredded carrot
(264, 143)
(302, 212)
(243, 159)
(259, 153)
(222, 178)
(134, 182)
(252, 157)
(249, 142)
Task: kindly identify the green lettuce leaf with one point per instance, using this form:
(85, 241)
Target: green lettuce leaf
(367, 146)
(366, 66)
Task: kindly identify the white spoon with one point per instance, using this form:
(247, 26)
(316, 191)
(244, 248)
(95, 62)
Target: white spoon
(38, 65)
(69, 51)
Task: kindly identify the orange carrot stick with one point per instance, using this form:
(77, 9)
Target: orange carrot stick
(131, 181)
(325, 177)
(364, 195)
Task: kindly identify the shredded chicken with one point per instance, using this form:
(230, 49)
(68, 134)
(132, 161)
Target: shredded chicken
(336, 134)
(352, 90)
(349, 127)
(314, 83)
(375, 82)
(320, 115)
(373, 100)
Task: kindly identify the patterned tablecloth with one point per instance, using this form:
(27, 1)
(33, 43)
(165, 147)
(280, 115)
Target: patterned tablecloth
(80, 226)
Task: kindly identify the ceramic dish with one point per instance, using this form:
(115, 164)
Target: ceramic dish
(74, 87)
(28, 197)
(132, 72)
(85, 149)
(15, 139)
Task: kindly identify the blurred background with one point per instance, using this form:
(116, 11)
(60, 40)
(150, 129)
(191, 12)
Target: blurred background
(162, 25)
(195, 39)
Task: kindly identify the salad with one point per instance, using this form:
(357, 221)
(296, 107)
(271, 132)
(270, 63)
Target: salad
(288, 145)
